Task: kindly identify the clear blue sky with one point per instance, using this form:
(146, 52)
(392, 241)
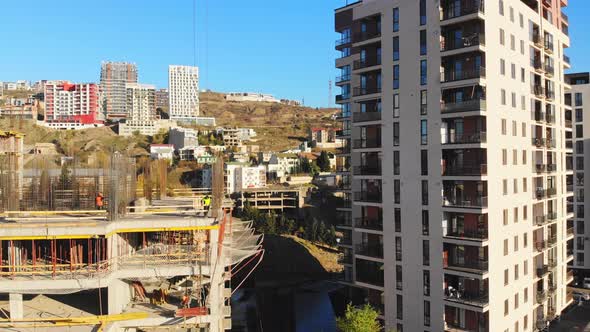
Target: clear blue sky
(281, 47)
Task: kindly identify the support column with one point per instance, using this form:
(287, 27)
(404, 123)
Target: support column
(16, 306)
(119, 295)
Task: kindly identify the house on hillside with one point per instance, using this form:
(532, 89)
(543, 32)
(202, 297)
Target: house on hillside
(162, 151)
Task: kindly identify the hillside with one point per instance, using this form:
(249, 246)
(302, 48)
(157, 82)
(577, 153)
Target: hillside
(279, 126)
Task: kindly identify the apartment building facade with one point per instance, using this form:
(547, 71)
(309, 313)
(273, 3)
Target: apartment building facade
(113, 79)
(71, 105)
(454, 185)
(183, 92)
(140, 102)
(576, 100)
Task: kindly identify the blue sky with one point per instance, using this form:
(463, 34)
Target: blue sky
(276, 46)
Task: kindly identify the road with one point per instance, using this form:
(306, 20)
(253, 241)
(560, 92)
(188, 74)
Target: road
(575, 320)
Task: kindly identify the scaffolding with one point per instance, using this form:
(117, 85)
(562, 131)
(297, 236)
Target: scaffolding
(55, 183)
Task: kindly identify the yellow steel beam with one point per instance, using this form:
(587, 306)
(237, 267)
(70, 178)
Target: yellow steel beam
(43, 213)
(162, 229)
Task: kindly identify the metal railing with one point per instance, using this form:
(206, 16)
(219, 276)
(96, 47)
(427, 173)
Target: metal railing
(480, 265)
(369, 250)
(473, 39)
(478, 234)
(343, 41)
(365, 63)
(368, 197)
(368, 143)
(369, 223)
(366, 116)
(366, 35)
(360, 91)
(465, 138)
(479, 300)
(367, 170)
(465, 74)
(467, 202)
(466, 169)
(455, 9)
(464, 106)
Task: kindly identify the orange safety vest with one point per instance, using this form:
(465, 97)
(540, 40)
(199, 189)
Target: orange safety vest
(98, 200)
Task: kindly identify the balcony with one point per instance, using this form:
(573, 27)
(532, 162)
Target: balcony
(465, 138)
(551, 192)
(370, 250)
(344, 220)
(480, 266)
(464, 106)
(540, 193)
(480, 234)
(570, 231)
(549, 69)
(473, 297)
(366, 63)
(369, 272)
(538, 91)
(548, 45)
(541, 297)
(455, 9)
(537, 40)
(366, 35)
(537, 64)
(539, 115)
(342, 79)
(342, 41)
(370, 223)
(466, 169)
(366, 116)
(367, 170)
(363, 91)
(367, 143)
(566, 59)
(345, 259)
(368, 197)
(474, 201)
(342, 98)
(459, 75)
(473, 39)
(542, 271)
(538, 142)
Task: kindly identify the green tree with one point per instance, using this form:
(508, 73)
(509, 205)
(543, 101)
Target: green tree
(323, 162)
(359, 320)
(161, 137)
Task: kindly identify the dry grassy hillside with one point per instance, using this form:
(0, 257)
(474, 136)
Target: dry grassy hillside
(278, 126)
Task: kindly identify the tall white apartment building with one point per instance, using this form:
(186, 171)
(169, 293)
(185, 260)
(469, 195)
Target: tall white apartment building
(455, 214)
(577, 100)
(183, 92)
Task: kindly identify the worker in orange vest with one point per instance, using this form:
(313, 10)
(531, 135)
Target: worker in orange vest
(99, 201)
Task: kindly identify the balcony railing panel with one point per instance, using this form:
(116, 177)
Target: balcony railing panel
(466, 170)
(466, 202)
(366, 116)
(463, 106)
(465, 138)
(474, 39)
(465, 74)
(454, 9)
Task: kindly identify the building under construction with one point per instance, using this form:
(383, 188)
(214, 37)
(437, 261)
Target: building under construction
(80, 252)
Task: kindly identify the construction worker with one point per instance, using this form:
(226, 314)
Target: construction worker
(207, 202)
(99, 201)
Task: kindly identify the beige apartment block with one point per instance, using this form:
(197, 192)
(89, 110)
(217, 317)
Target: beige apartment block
(454, 172)
(183, 92)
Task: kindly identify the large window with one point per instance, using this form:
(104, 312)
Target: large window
(422, 12)
(395, 19)
(398, 248)
(426, 313)
(423, 72)
(396, 133)
(426, 282)
(396, 105)
(399, 280)
(579, 101)
(397, 219)
(424, 162)
(425, 223)
(425, 252)
(396, 77)
(423, 132)
(399, 307)
(395, 48)
(423, 102)
(423, 43)
(395, 162)
(424, 192)
(396, 192)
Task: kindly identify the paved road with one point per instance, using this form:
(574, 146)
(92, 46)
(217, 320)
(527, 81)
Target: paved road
(576, 320)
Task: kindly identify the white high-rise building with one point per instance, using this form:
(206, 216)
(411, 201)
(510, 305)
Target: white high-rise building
(141, 102)
(577, 117)
(183, 92)
(455, 214)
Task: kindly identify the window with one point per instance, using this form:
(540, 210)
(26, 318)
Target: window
(525, 322)
(505, 216)
(423, 72)
(515, 215)
(515, 185)
(502, 67)
(505, 307)
(512, 42)
(579, 131)
(521, 20)
(502, 37)
(513, 71)
(525, 266)
(396, 77)
(426, 282)
(523, 106)
(395, 19)
(524, 157)
(511, 14)
(398, 277)
(395, 48)
(516, 244)
(513, 100)
(579, 101)
(423, 102)
(514, 129)
(506, 276)
(506, 247)
(423, 132)
(424, 192)
(504, 127)
(424, 162)
(524, 134)
(423, 43)
(579, 115)
(397, 219)
(524, 185)
(522, 76)
(425, 223)
(422, 12)
(395, 162)
(396, 133)
(505, 187)
(514, 156)
(501, 7)
(425, 252)
(396, 105)
(503, 95)
(426, 313)
(516, 307)
(525, 216)
(398, 248)
(396, 191)
(522, 47)
(399, 306)
(504, 157)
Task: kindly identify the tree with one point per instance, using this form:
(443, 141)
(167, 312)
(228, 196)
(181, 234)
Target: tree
(359, 320)
(324, 162)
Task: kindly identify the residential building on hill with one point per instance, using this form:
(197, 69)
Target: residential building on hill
(114, 77)
(183, 92)
(71, 106)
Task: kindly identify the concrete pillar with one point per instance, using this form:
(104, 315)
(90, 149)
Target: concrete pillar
(119, 295)
(16, 306)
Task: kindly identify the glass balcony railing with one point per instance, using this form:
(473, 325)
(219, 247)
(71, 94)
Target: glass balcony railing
(464, 106)
(454, 9)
